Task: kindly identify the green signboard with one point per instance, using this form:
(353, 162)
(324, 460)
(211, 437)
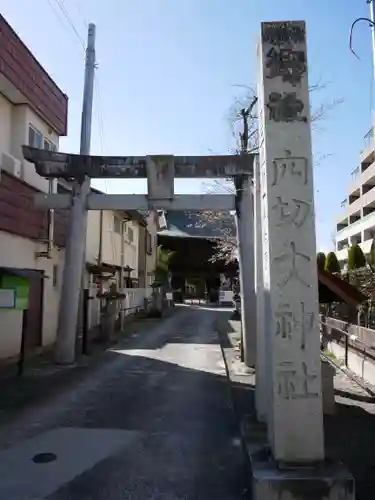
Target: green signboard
(21, 287)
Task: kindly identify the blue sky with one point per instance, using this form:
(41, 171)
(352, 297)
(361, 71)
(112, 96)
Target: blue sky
(169, 70)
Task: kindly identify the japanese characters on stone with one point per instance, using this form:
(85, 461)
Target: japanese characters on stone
(288, 200)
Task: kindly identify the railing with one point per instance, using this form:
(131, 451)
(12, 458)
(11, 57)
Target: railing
(344, 203)
(370, 134)
(353, 224)
(359, 356)
(355, 174)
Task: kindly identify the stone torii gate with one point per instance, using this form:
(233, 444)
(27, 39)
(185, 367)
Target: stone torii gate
(160, 171)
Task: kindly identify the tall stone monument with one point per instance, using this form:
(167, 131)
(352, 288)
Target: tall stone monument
(290, 271)
(294, 399)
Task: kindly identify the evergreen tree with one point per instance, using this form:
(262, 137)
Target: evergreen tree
(332, 264)
(356, 258)
(163, 261)
(371, 257)
(321, 260)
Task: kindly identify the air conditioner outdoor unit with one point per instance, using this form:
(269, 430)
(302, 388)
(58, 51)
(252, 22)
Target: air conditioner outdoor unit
(11, 165)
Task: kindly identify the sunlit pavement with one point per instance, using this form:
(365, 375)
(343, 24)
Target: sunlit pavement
(154, 423)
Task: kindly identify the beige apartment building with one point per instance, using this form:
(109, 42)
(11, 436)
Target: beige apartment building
(356, 222)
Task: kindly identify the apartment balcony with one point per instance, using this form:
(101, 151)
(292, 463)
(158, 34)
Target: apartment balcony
(366, 223)
(343, 223)
(368, 154)
(355, 183)
(367, 176)
(342, 218)
(366, 202)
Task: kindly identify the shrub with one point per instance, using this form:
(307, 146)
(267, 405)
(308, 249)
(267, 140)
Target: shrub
(332, 264)
(356, 258)
(321, 260)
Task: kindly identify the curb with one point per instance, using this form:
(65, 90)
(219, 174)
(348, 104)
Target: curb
(366, 386)
(240, 421)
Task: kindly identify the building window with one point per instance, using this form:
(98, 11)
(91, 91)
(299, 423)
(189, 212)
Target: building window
(130, 235)
(116, 225)
(49, 145)
(148, 243)
(35, 138)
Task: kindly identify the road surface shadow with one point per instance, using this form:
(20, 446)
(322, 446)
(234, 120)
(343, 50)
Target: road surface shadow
(176, 398)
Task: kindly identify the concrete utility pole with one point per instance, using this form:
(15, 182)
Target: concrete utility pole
(76, 244)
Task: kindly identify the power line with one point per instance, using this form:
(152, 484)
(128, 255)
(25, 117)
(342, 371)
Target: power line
(61, 6)
(79, 10)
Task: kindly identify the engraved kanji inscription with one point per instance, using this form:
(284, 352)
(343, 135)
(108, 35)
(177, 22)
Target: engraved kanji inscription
(306, 324)
(291, 261)
(295, 383)
(284, 322)
(279, 33)
(293, 212)
(285, 107)
(290, 168)
(292, 324)
(288, 63)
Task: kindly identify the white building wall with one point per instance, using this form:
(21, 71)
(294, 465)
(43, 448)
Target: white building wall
(112, 242)
(93, 236)
(131, 247)
(31, 119)
(5, 124)
(14, 133)
(20, 252)
(152, 227)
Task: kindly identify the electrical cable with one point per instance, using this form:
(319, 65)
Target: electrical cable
(61, 6)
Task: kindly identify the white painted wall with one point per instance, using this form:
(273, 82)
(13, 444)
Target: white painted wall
(131, 247)
(14, 133)
(112, 243)
(93, 236)
(152, 227)
(20, 252)
(30, 118)
(5, 124)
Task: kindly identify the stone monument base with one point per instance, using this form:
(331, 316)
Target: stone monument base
(326, 481)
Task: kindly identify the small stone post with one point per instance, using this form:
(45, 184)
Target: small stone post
(289, 246)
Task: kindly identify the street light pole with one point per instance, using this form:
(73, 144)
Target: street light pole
(372, 17)
(76, 242)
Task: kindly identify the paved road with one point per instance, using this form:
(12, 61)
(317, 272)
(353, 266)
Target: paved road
(154, 423)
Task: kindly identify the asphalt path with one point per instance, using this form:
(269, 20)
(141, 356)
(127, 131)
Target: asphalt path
(155, 422)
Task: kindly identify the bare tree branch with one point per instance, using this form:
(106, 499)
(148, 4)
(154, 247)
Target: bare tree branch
(243, 120)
